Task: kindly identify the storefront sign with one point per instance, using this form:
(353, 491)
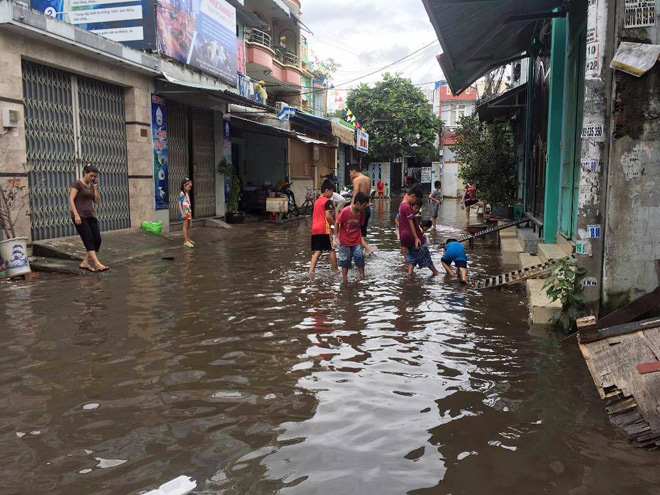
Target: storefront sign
(159, 135)
(200, 33)
(129, 22)
(426, 175)
(362, 142)
(640, 13)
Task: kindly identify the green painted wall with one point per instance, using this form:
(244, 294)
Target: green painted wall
(555, 119)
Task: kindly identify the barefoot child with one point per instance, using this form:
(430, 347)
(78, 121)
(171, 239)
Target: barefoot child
(403, 228)
(185, 211)
(455, 252)
(352, 246)
(323, 218)
(435, 199)
(419, 255)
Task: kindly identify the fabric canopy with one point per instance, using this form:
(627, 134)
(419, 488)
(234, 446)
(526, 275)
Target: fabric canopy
(480, 35)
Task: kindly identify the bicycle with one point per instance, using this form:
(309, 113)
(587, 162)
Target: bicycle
(308, 206)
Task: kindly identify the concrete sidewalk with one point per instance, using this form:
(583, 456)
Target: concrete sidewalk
(63, 255)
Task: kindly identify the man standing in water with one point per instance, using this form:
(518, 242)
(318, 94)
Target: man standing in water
(361, 184)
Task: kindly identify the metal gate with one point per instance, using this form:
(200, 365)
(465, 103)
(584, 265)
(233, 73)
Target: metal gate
(177, 152)
(69, 121)
(103, 143)
(51, 154)
(203, 164)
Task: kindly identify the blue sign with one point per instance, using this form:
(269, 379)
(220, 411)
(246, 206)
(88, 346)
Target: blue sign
(594, 231)
(159, 134)
(200, 33)
(130, 22)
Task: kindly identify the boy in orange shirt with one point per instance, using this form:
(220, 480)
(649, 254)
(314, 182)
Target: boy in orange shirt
(323, 218)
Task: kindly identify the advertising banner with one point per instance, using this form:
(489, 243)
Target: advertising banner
(362, 142)
(200, 33)
(129, 22)
(159, 134)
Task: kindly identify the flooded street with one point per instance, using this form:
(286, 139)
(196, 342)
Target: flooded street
(231, 366)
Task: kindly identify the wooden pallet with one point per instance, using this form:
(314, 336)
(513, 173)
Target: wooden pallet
(491, 230)
(516, 276)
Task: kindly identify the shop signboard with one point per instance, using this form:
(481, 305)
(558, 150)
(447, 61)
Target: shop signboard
(362, 142)
(426, 175)
(201, 34)
(159, 135)
(129, 22)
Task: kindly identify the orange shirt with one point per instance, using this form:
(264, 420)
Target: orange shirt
(320, 223)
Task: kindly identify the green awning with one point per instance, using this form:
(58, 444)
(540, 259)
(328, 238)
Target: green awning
(480, 35)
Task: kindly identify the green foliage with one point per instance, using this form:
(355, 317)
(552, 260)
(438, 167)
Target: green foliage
(488, 157)
(565, 285)
(396, 114)
(236, 190)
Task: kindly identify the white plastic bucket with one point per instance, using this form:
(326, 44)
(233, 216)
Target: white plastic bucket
(14, 254)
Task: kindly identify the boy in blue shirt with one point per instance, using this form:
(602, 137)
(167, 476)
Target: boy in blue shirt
(455, 252)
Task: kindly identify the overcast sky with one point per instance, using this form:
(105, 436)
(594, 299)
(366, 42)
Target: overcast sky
(365, 35)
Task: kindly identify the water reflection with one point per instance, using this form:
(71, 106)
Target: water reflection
(230, 365)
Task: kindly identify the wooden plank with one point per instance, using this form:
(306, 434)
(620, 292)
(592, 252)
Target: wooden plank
(633, 399)
(622, 329)
(634, 310)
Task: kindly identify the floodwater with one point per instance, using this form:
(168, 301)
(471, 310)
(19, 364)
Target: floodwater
(231, 366)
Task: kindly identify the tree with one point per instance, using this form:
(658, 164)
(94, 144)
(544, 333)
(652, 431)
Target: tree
(397, 115)
(488, 157)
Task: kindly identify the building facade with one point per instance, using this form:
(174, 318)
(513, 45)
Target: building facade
(450, 109)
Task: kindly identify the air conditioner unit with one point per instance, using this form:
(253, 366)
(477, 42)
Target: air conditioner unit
(281, 105)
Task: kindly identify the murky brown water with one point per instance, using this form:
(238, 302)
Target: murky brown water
(229, 365)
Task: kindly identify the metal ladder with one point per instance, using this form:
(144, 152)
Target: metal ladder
(490, 230)
(516, 276)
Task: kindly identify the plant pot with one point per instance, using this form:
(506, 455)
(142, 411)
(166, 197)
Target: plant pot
(507, 212)
(235, 217)
(14, 253)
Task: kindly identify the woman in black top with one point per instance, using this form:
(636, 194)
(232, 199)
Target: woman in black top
(84, 194)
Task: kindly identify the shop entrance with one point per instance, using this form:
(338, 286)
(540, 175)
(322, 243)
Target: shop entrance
(70, 121)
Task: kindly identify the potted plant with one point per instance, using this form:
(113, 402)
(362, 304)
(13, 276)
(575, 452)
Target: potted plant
(13, 250)
(233, 192)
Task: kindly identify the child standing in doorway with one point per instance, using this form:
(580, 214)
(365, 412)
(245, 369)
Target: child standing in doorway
(185, 211)
(352, 246)
(435, 198)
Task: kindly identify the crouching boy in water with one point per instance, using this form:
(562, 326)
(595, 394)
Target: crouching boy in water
(455, 252)
(352, 246)
(322, 219)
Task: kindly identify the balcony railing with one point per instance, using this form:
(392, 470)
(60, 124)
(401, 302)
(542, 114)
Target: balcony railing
(282, 55)
(286, 57)
(260, 38)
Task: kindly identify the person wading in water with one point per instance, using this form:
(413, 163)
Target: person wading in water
(361, 184)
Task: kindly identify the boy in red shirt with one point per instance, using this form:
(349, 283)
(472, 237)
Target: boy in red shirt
(352, 245)
(323, 218)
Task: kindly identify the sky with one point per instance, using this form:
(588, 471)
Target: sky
(366, 35)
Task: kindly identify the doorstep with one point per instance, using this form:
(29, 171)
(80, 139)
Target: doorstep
(552, 252)
(511, 249)
(542, 308)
